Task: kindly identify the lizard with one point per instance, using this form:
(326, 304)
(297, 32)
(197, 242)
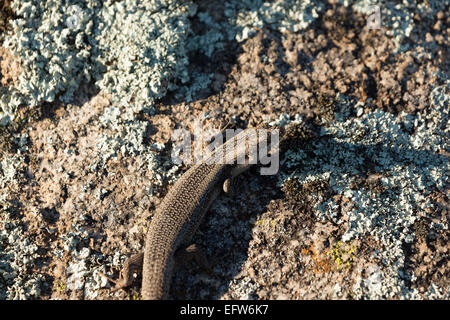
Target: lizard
(180, 213)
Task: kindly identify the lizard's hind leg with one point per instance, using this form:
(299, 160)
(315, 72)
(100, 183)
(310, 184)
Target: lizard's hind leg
(131, 265)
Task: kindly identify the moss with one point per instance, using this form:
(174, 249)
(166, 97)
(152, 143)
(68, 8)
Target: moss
(6, 141)
(376, 186)
(297, 135)
(291, 188)
(326, 107)
(420, 228)
(23, 118)
(319, 186)
(6, 13)
(298, 193)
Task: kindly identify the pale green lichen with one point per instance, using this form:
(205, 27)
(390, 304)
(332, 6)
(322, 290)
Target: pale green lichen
(132, 49)
(141, 45)
(54, 57)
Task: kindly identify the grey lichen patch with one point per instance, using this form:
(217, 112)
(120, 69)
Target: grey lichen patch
(401, 169)
(81, 271)
(124, 135)
(280, 15)
(18, 256)
(132, 49)
(243, 289)
(141, 45)
(328, 211)
(9, 167)
(397, 17)
(55, 58)
(82, 274)
(326, 108)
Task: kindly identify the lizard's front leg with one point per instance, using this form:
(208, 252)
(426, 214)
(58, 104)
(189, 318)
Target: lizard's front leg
(131, 265)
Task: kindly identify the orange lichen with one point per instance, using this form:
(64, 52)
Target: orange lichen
(339, 257)
(322, 263)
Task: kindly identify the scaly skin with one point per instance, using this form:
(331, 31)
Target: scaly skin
(178, 217)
